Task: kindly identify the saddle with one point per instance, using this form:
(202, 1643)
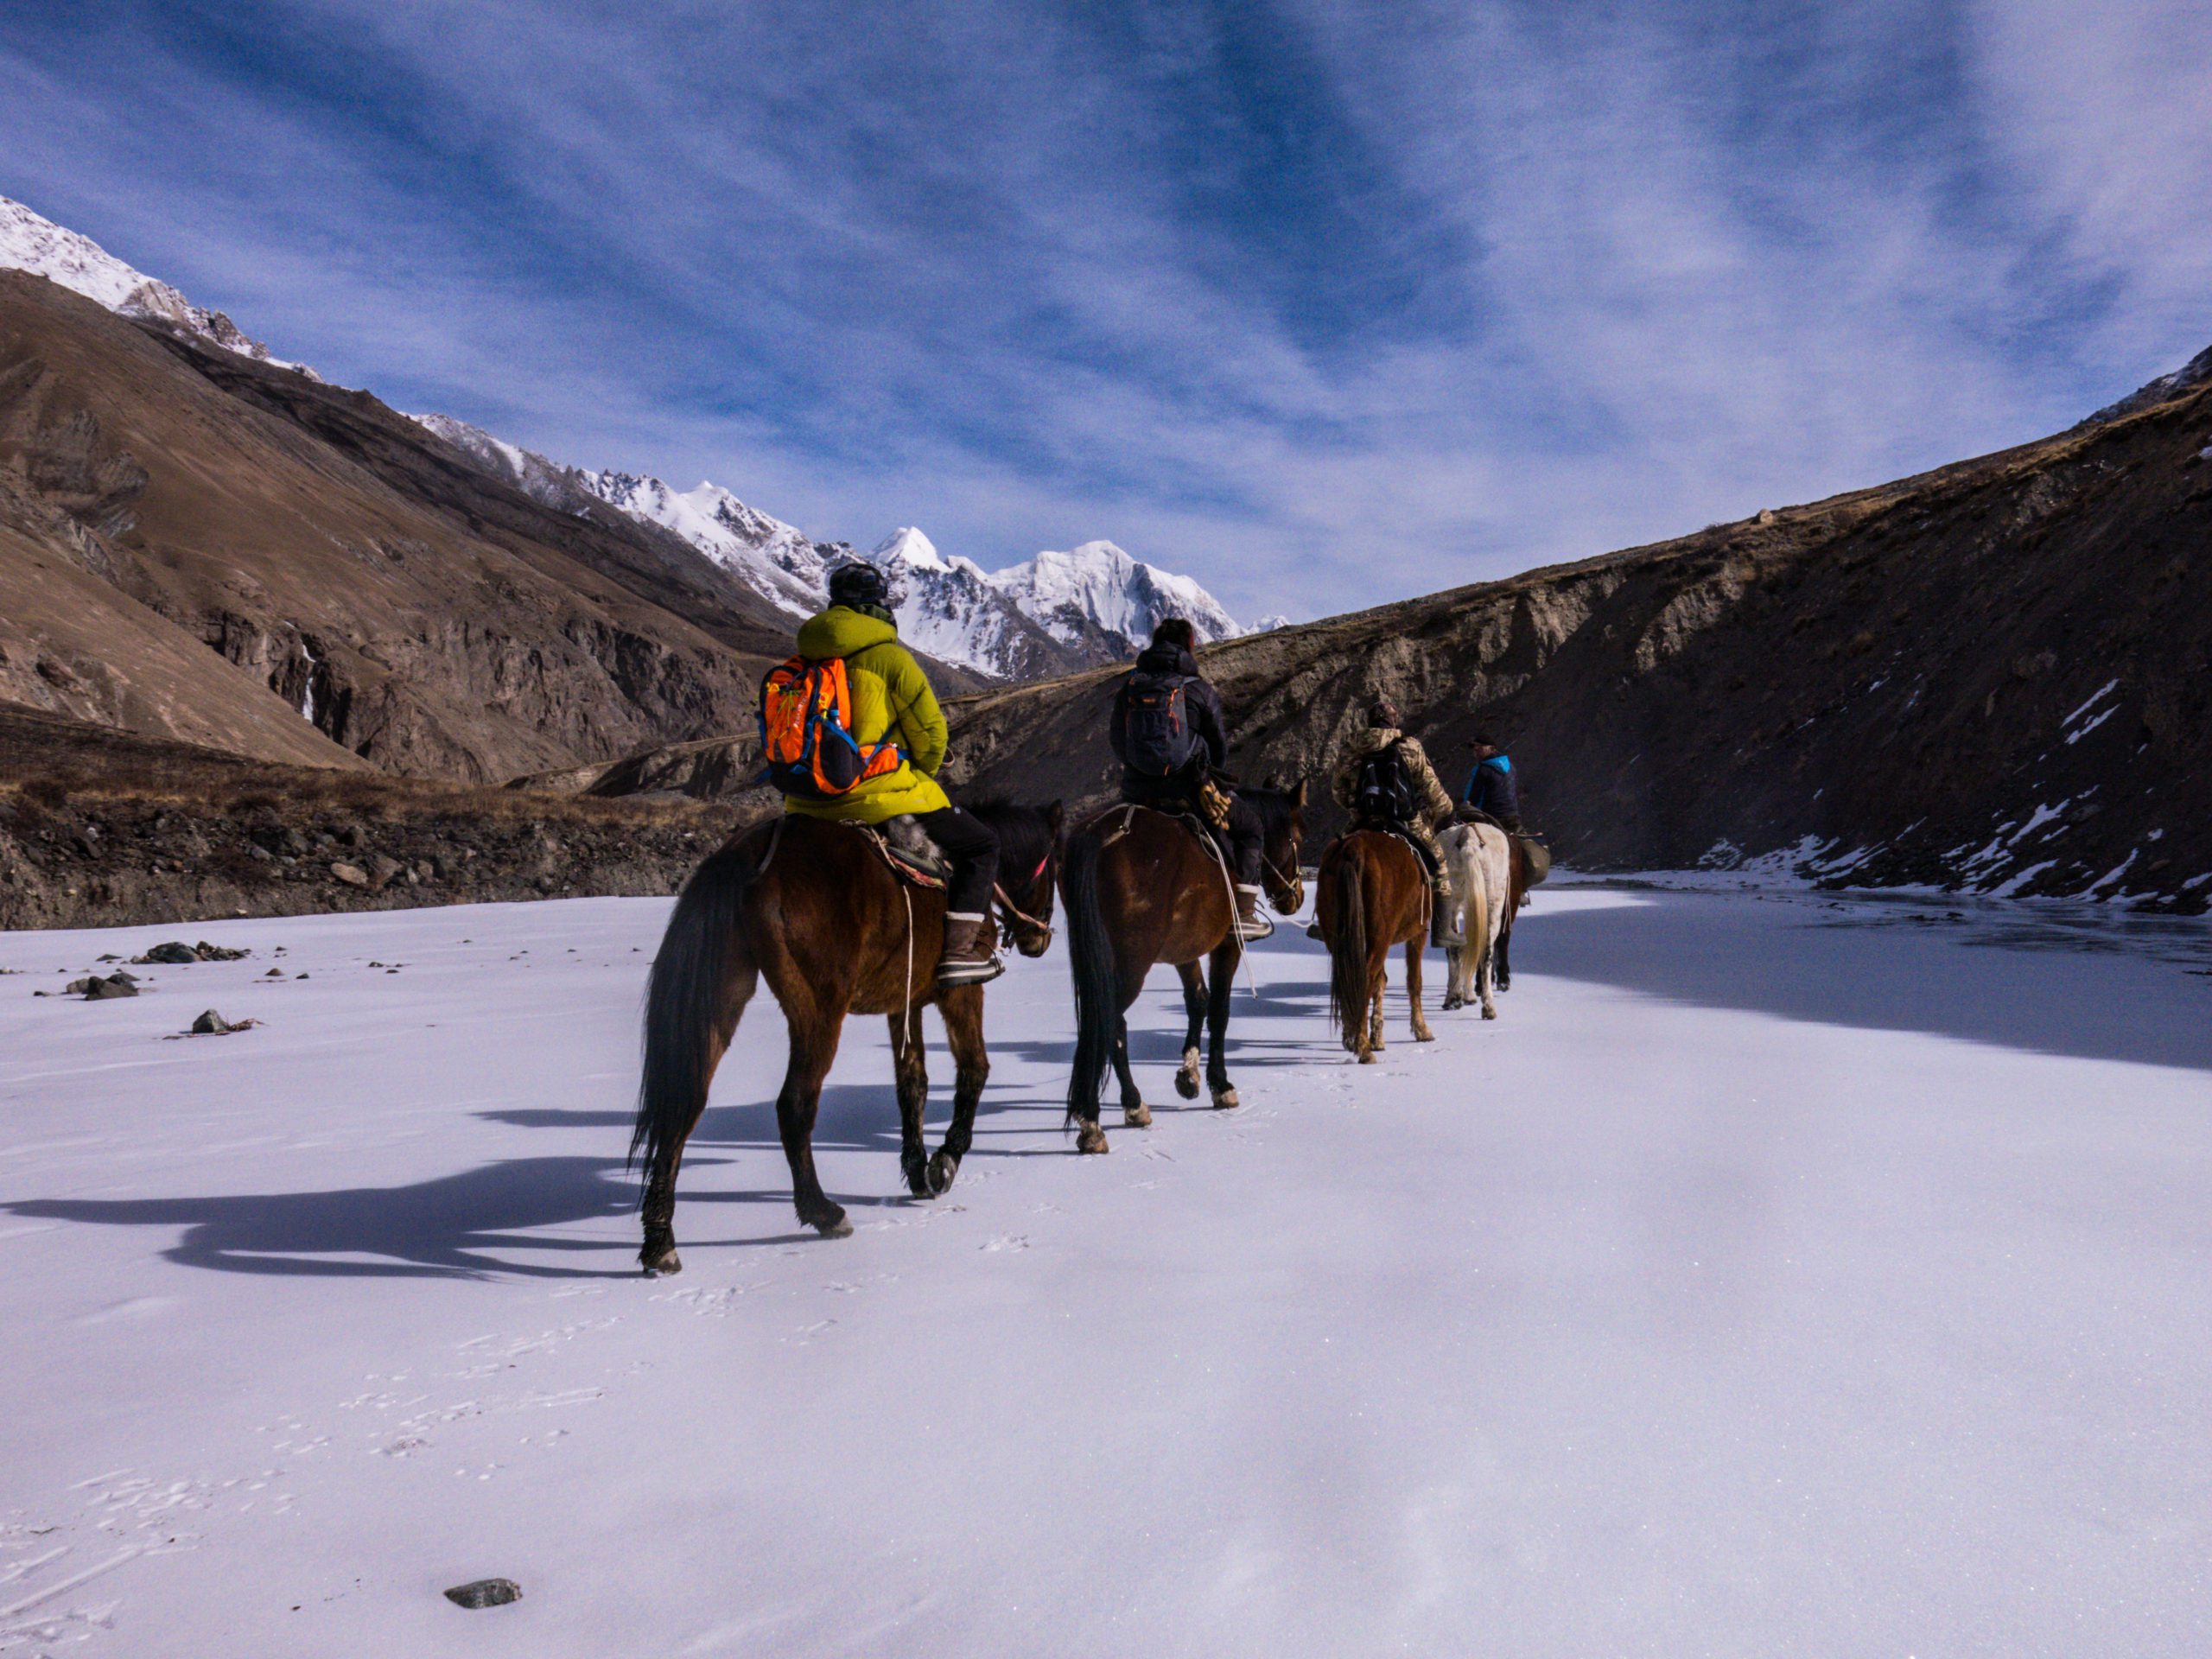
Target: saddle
(912, 856)
(1122, 818)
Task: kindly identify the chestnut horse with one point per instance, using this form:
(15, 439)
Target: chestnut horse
(813, 906)
(1143, 887)
(1373, 894)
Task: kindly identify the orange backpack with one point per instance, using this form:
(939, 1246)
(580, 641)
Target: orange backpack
(806, 732)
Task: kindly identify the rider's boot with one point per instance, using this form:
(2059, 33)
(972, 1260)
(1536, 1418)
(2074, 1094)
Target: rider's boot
(970, 956)
(1250, 925)
(1444, 923)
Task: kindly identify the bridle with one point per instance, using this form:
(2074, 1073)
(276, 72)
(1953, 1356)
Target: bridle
(1014, 913)
(1294, 883)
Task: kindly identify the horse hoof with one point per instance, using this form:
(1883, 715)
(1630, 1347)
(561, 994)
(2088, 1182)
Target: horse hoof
(921, 1177)
(1453, 1002)
(1490, 1013)
(1090, 1137)
(1186, 1085)
(660, 1260)
(1367, 1060)
(1424, 1036)
(942, 1168)
(1139, 1116)
(833, 1225)
(1224, 1100)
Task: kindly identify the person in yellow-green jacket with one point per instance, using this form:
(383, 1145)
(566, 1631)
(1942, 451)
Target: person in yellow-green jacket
(891, 696)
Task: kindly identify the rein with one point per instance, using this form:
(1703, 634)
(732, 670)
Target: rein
(1294, 884)
(1014, 913)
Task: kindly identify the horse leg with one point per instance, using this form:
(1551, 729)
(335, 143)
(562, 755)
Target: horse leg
(1135, 1112)
(1220, 981)
(911, 1067)
(1378, 981)
(814, 1045)
(1194, 1011)
(1486, 979)
(962, 1009)
(1421, 1032)
(1454, 977)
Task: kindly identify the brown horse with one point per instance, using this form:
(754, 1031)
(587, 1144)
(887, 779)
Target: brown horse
(1143, 887)
(1374, 894)
(814, 907)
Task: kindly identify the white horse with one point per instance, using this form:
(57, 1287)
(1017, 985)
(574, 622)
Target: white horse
(1480, 859)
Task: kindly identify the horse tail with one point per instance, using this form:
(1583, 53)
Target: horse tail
(1348, 984)
(1475, 901)
(1090, 962)
(703, 966)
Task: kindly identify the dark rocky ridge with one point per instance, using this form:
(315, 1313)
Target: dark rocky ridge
(1878, 685)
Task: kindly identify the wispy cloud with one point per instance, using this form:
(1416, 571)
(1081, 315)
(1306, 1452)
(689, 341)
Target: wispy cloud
(1325, 302)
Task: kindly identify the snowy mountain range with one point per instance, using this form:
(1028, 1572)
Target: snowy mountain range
(30, 242)
(1052, 614)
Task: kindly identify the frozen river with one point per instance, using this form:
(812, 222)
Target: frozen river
(1775, 1277)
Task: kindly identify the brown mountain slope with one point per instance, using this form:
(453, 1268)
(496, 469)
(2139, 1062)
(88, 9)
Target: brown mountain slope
(1907, 684)
(432, 619)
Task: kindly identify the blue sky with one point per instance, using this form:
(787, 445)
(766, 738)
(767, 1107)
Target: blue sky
(1325, 303)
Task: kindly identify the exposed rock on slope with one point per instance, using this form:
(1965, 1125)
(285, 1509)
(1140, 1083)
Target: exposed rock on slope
(1996, 677)
(334, 561)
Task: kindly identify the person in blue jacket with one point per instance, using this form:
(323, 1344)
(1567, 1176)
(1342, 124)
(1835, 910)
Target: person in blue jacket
(1492, 787)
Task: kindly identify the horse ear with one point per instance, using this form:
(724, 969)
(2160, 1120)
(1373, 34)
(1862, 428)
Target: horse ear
(1301, 796)
(1057, 816)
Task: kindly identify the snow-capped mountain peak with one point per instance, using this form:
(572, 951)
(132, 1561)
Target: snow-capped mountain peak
(1096, 596)
(30, 241)
(776, 559)
(908, 549)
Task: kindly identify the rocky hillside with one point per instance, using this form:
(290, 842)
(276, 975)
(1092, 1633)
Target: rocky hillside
(99, 828)
(1997, 677)
(196, 544)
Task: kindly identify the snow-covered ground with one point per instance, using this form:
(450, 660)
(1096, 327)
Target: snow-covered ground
(1770, 1279)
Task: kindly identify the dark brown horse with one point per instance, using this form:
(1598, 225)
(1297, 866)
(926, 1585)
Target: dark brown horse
(813, 906)
(1143, 887)
(1373, 894)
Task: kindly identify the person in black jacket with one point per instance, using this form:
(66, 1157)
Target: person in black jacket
(1167, 668)
(1493, 787)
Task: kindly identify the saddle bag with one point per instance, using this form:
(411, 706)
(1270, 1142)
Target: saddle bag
(1537, 859)
(806, 732)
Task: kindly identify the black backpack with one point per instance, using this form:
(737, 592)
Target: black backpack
(1156, 735)
(1382, 791)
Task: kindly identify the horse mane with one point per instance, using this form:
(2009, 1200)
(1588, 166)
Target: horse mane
(1274, 807)
(1024, 835)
